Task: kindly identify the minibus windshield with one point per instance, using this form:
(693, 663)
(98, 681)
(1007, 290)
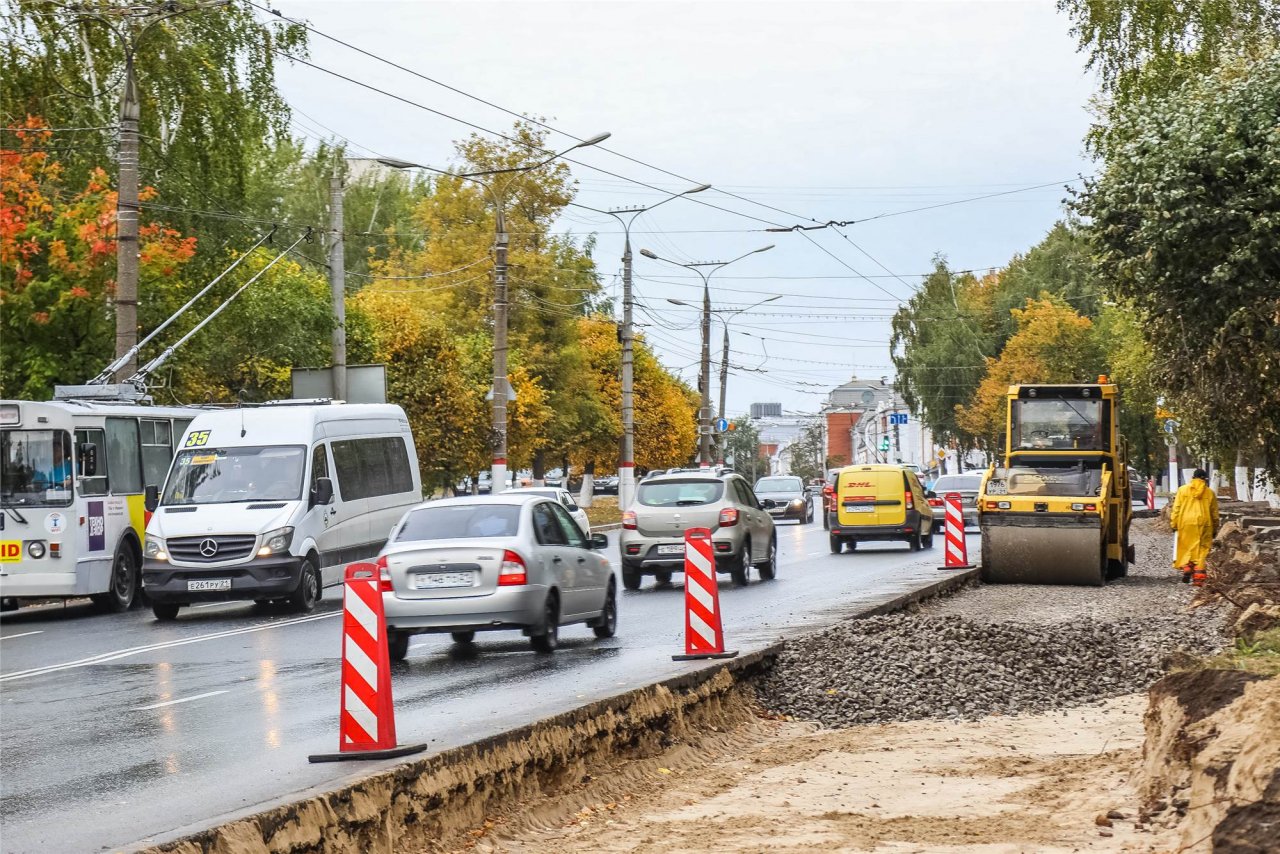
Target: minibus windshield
(35, 468)
(227, 475)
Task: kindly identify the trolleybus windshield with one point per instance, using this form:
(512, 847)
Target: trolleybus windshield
(35, 468)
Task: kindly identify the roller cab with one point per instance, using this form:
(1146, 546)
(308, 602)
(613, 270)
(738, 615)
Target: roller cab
(1053, 510)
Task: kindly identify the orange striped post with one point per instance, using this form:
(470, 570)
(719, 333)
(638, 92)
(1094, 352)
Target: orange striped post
(366, 718)
(703, 634)
(957, 549)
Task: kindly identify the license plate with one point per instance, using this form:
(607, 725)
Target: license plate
(210, 584)
(438, 580)
(854, 509)
(677, 549)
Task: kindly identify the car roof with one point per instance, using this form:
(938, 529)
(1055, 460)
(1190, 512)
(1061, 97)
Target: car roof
(691, 475)
(511, 496)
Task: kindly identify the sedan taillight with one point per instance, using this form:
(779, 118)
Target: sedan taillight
(935, 502)
(728, 517)
(629, 520)
(384, 575)
(513, 572)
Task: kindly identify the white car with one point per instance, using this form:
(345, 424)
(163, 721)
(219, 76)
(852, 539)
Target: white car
(566, 501)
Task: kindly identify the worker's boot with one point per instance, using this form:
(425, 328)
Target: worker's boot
(1197, 575)
(1186, 574)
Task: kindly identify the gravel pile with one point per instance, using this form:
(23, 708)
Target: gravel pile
(1000, 649)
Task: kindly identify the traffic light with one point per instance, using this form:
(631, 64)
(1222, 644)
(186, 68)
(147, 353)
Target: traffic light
(884, 444)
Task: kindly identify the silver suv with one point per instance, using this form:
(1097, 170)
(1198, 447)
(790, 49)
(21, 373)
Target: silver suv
(652, 536)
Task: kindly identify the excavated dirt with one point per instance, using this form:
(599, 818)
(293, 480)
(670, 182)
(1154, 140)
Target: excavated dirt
(433, 805)
(1003, 784)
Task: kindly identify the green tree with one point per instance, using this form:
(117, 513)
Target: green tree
(1184, 220)
(806, 452)
(742, 443)
(1060, 265)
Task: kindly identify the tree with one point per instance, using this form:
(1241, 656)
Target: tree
(58, 255)
(1184, 219)
(806, 452)
(742, 444)
(1053, 344)
(1060, 264)
(939, 342)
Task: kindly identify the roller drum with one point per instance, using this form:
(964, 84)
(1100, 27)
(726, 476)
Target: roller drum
(1042, 550)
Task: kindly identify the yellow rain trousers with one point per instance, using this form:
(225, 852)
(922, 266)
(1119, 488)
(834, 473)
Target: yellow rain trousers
(1195, 518)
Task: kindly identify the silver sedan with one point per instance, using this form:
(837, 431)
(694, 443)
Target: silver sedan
(494, 562)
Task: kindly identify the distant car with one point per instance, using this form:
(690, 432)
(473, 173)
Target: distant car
(606, 485)
(967, 485)
(566, 501)
(785, 497)
(652, 535)
(512, 561)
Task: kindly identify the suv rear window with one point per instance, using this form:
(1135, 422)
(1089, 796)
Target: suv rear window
(680, 493)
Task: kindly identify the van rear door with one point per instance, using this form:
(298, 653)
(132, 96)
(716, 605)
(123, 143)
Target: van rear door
(871, 496)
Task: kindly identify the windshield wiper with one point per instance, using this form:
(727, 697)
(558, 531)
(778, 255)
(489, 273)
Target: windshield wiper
(1085, 418)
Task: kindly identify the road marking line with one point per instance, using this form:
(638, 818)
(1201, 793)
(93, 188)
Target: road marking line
(22, 635)
(103, 658)
(814, 554)
(176, 702)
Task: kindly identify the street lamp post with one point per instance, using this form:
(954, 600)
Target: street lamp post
(627, 461)
(704, 373)
(501, 386)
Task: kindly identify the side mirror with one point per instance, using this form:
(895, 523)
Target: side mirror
(88, 459)
(323, 492)
(764, 505)
(929, 493)
(598, 542)
(151, 498)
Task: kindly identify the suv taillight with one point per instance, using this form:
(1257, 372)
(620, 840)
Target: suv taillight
(728, 517)
(629, 520)
(512, 572)
(384, 575)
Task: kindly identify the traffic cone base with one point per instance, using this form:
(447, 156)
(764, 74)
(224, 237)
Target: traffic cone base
(955, 547)
(366, 718)
(703, 634)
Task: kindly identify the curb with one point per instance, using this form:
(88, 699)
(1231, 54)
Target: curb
(409, 794)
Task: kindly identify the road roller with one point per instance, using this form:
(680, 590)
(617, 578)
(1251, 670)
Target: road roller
(1055, 507)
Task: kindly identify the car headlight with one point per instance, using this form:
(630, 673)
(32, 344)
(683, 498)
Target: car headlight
(154, 549)
(797, 502)
(276, 542)
(36, 549)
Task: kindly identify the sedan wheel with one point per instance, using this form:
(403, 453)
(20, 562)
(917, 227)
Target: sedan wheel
(462, 637)
(549, 639)
(607, 625)
(399, 644)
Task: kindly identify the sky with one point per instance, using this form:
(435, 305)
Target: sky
(792, 111)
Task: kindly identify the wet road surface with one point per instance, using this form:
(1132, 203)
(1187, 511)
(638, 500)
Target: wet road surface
(118, 730)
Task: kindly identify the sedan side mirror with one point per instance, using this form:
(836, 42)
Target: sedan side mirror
(151, 499)
(322, 493)
(598, 542)
(764, 505)
(929, 493)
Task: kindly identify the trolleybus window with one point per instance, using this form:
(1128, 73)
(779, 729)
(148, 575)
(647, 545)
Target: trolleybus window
(157, 451)
(124, 457)
(35, 467)
(92, 482)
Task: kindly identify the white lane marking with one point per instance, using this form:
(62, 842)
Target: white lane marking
(21, 635)
(814, 554)
(102, 658)
(176, 702)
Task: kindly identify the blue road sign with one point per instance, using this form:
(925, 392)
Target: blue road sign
(722, 424)
(898, 418)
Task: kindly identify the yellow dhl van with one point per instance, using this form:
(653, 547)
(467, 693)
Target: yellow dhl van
(879, 502)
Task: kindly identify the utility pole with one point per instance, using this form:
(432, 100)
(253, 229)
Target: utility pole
(501, 390)
(130, 24)
(704, 382)
(338, 282)
(626, 337)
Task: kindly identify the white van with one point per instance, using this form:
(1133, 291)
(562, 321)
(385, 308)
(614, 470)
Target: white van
(272, 502)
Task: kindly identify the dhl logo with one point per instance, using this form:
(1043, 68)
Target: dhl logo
(862, 484)
(10, 551)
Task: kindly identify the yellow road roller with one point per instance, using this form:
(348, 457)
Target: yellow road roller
(1056, 507)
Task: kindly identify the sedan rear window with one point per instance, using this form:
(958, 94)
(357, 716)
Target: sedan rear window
(460, 522)
(680, 493)
(956, 483)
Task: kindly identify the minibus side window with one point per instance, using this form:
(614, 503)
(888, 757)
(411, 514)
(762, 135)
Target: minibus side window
(319, 466)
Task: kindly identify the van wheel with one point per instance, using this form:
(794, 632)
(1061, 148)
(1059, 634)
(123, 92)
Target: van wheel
(549, 637)
(928, 541)
(304, 599)
(837, 544)
(165, 612)
(915, 542)
(124, 583)
(398, 645)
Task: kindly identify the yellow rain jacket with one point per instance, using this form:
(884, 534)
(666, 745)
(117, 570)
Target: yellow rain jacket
(1195, 518)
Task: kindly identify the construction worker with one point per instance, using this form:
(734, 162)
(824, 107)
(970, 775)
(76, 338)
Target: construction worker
(1195, 520)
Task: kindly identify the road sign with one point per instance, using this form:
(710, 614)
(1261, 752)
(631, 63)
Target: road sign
(721, 424)
(898, 418)
(942, 455)
(1171, 426)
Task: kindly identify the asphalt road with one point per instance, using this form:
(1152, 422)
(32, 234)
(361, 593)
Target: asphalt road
(119, 730)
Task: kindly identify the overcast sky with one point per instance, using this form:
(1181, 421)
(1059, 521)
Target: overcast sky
(830, 110)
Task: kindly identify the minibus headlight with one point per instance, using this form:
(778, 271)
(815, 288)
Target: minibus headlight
(276, 542)
(154, 549)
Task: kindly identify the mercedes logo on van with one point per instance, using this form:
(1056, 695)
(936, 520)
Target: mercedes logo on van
(209, 547)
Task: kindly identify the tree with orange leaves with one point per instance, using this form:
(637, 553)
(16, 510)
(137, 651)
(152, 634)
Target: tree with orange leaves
(57, 257)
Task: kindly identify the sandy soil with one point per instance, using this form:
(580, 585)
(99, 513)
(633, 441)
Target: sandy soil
(1013, 784)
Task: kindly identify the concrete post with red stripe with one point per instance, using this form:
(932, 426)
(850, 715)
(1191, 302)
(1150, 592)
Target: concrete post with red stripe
(703, 635)
(957, 550)
(366, 718)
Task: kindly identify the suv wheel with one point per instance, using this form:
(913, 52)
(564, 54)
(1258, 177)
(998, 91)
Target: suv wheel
(631, 577)
(769, 569)
(740, 564)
